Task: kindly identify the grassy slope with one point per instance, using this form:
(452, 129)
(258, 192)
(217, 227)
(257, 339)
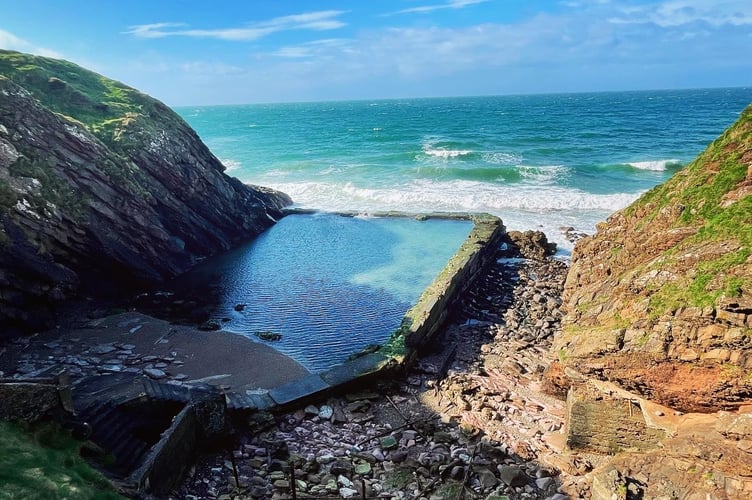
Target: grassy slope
(42, 461)
(72, 91)
(103, 106)
(700, 188)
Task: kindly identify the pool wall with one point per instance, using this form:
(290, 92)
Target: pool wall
(418, 328)
(168, 460)
(425, 319)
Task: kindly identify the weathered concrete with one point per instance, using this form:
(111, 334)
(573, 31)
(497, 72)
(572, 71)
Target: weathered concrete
(204, 358)
(171, 457)
(604, 419)
(422, 322)
(33, 399)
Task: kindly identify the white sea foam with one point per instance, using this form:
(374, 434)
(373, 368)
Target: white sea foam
(521, 206)
(656, 165)
(230, 164)
(331, 170)
(543, 174)
(446, 153)
(502, 158)
(456, 195)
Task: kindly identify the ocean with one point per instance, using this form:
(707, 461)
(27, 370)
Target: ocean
(537, 161)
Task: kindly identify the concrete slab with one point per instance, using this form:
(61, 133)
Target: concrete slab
(300, 389)
(352, 370)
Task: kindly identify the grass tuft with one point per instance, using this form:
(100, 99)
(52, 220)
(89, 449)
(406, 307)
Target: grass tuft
(42, 461)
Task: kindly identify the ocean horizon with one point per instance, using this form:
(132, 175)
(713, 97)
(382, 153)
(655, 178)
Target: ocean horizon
(538, 161)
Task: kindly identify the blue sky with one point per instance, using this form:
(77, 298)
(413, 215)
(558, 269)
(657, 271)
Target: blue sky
(223, 52)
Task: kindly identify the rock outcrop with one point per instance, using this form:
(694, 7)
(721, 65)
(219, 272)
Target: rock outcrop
(659, 300)
(103, 188)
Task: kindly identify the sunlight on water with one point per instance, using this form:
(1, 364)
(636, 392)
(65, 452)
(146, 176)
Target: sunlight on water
(330, 285)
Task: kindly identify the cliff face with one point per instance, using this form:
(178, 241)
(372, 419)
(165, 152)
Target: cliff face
(104, 188)
(659, 300)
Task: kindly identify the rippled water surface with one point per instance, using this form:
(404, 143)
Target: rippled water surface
(330, 285)
(538, 161)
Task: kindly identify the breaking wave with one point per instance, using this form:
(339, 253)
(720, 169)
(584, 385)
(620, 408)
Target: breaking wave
(656, 166)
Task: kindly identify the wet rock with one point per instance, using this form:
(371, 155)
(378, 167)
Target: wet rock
(155, 373)
(210, 325)
(103, 349)
(268, 336)
(512, 475)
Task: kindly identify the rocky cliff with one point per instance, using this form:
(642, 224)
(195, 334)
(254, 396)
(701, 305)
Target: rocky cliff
(103, 188)
(659, 300)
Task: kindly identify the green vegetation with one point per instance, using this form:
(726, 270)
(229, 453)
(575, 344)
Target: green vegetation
(52, 189)
(724, 237)
(106, 108)
(398, 479)
(70, 90)
(43, 461)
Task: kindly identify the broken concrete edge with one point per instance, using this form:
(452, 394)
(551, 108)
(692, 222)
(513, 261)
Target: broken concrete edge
(201, 421)
(35, 398)
(170, 458)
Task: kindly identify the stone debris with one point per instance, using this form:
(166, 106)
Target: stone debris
(469, 417)
(78, 360)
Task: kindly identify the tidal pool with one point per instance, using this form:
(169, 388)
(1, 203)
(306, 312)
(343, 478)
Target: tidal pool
(330, 285)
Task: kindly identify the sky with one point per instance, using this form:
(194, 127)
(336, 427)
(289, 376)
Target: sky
(188, 52)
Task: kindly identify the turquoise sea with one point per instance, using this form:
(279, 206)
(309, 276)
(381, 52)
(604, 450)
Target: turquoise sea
(537, 161)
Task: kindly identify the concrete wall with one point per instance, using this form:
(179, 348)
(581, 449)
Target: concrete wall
(426, 318)
(33, 399)
(168, 461)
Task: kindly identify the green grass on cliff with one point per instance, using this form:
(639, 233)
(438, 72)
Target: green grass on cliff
(42, 461)
(724, 229)
(69, 90)
(104, 107)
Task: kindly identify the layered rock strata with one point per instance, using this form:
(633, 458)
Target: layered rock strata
(104, 188)
(659, 300)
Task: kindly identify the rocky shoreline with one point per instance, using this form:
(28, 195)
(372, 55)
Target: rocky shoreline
(469, 419)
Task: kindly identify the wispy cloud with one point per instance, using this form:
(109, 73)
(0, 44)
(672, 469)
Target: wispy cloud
(9, 41)
(154, 30)
(316, 48)
(452, 4)
(675, 13)
(581, 45)
(315, 21)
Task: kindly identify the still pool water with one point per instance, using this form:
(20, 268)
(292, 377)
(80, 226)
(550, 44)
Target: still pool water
(329, 284)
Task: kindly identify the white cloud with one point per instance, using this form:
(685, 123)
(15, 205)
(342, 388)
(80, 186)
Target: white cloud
(9, 41)
(315, 21)
(452, 4)
(570, 49)
(315, 48)
(154, 30)
(676, 13)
